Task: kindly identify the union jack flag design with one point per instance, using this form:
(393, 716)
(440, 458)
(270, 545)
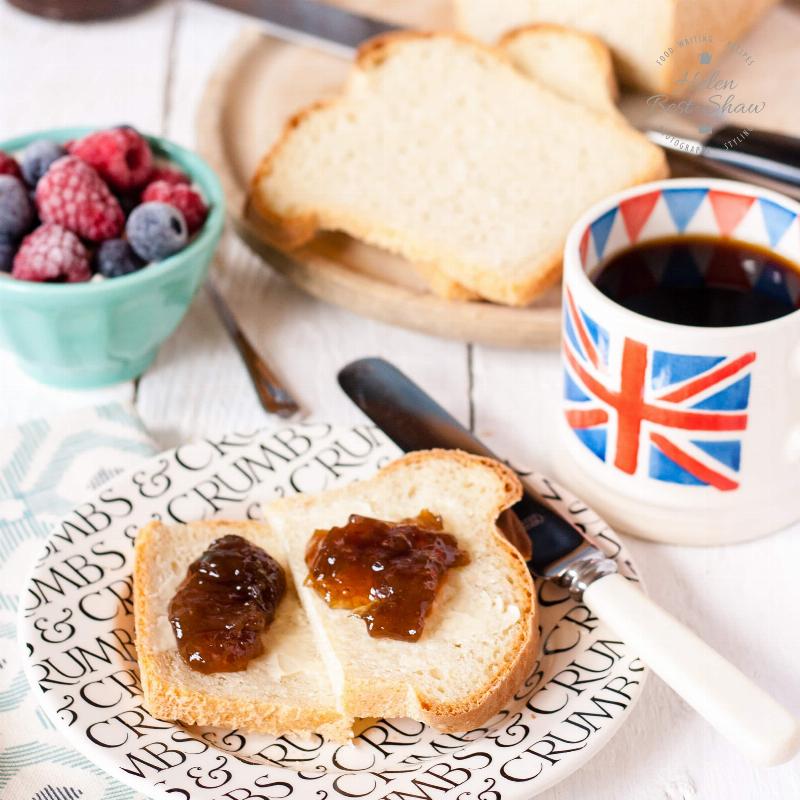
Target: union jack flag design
(673, 417)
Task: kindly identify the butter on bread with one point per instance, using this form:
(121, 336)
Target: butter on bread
(438, 149)
(284, 690)
(481, 638)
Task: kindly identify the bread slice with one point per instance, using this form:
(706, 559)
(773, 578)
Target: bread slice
(637, 32)
(480, 639)
(574, 65)
(439, 150)
(571, 63)
(282, 691)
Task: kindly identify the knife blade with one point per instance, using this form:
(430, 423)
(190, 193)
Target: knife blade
(316, 24)
(744, 713)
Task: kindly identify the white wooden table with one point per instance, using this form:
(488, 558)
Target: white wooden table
(149, 70)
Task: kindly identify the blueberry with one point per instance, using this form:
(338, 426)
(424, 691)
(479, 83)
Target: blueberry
(115, 258)
(156, 230)
(8, 249)
(37, 157)
(16, 212)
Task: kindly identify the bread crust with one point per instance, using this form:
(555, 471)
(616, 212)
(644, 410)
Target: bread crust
(293, 231)
(485, 701)
(169, 700)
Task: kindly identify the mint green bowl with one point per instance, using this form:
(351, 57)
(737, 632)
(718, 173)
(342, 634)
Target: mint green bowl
(83, 335)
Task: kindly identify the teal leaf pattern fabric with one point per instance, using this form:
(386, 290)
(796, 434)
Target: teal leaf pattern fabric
(46, 467)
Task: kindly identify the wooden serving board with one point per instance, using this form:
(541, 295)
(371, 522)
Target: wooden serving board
(260, 83)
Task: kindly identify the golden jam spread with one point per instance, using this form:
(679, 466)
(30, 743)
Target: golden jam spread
(387, 572)
(226, 601)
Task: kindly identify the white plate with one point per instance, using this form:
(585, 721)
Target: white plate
(77, 628)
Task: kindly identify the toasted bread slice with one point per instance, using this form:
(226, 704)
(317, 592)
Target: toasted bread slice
(440, 150)
(282, 691)
(480, 639)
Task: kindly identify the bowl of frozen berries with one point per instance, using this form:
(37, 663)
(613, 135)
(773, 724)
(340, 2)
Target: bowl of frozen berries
(105, 236)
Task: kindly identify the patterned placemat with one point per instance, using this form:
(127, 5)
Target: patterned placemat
(46, 466)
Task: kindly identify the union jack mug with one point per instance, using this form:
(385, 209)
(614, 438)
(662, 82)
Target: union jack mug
(676, 433)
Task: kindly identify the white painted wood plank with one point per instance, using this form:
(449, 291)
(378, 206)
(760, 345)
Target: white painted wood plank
(56, 74)
(53, 75)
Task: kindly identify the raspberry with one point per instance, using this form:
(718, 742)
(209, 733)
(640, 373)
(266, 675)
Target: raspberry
(115, 257)
(37, 157)
(9, 166)
(162, 172)
(72, 194)
(121, 157)
(156, 230)
(52, 254)
(183, 197)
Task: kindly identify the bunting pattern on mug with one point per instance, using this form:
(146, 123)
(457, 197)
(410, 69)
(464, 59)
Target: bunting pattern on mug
(689, 209)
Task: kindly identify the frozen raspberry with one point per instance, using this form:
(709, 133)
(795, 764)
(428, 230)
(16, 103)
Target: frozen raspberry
(156, 231)
(183, 197)
(9, 166)
(72, 194)
(37, 157)
(162, 172)
(17, 214)
(121, 156)
(52, 254)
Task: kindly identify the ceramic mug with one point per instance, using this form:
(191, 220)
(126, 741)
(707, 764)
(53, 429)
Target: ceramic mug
(676, 433)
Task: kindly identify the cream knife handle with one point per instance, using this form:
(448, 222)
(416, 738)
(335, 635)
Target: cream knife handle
(741, 711)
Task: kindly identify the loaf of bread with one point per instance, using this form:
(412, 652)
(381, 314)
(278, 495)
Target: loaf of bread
(481, 637)
(440, 150)
(637, 32)
(285, 690)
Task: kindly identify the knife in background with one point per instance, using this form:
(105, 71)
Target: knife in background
(741, 711)
(763, 157)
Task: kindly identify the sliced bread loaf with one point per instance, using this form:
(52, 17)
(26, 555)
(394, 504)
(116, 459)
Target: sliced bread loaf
(480, 639)
(282, 691)
(441, 151)
(637, 32)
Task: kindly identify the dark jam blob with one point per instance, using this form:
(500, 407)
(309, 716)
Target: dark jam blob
(386, 572)
(226, 601)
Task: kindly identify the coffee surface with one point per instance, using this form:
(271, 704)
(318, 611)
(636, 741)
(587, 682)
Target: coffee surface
(703, 281)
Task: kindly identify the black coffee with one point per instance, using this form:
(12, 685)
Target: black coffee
(701, 280)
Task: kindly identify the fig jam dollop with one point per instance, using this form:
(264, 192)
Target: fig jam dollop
(226, 601)
(386, 572)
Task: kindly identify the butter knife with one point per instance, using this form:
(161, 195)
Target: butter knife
(741, 711)
(763, 157)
